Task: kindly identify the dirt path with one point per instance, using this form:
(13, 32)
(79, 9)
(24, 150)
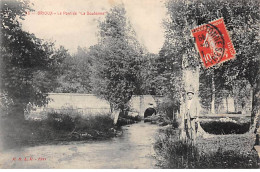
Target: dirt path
(134, 149)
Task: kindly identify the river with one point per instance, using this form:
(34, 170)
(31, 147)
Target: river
(133, 149)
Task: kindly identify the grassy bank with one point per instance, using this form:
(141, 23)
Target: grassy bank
(174, 153)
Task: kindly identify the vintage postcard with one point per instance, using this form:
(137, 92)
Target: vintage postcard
(130, 84)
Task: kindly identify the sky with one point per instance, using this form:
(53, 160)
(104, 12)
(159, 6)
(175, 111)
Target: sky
(71, 31)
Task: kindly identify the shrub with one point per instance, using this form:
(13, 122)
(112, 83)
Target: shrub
(134, 118)
(168, 107)
(218, 127)
(94, 122)
(60, 121)
(125, 119)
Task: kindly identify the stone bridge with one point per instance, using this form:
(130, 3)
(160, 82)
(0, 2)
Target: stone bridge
(88, 104)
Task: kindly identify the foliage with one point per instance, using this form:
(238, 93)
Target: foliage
(28, 64)
(167, 107)
(117, 60)
(166, 78)
(147, 82)
(76, 72)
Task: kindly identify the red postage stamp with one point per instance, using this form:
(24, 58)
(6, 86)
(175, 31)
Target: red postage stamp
(213, 43)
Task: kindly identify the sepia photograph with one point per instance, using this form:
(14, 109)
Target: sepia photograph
(130, 84)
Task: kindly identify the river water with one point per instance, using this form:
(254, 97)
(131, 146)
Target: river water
(133, 149)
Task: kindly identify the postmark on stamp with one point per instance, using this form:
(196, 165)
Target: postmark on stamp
(213, 43)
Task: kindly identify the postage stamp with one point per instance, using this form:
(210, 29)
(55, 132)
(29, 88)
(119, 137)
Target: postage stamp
(213, 43)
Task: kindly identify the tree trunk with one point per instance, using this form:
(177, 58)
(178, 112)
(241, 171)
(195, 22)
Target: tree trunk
(255, 102)
(141, 113)
(111, 108)
(213, 93)
(227, 103)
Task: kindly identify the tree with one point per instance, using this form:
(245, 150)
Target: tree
(76, 72)
(242, 21)
(28, 64)
(147, 82)
(117, 60)
(168, 77)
